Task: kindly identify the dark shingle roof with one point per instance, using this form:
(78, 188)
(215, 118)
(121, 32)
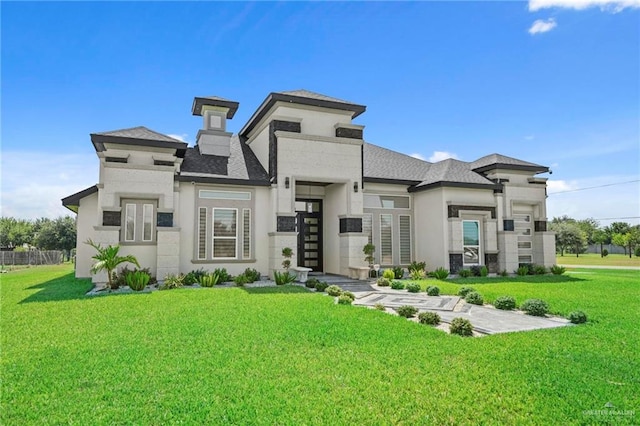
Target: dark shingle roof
(385, 164)
(303, 93)
(72, 202)
(453, 171)
(502, 161)
(241, 166)
(139, 132)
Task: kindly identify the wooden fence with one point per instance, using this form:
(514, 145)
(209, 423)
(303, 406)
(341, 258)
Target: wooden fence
(33, 257)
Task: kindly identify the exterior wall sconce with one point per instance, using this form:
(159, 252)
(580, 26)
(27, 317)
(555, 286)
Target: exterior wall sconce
(286, 182)
(355, 186)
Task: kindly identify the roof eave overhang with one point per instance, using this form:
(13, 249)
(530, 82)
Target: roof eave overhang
(271, 100)
(72, 202)
(391, 181)
(518, 167)
(198, 103)
(222, 180)
(98, 142)
(488, 187)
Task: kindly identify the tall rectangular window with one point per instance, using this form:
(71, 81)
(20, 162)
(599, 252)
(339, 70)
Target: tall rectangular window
(147, 222)
(130, 222)
(246, 233)
(367, 227)
(386, 244)
(405, 239)
(471, 242)
(202, 233)
(225, 233)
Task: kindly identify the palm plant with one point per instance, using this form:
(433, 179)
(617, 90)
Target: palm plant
(107, 259)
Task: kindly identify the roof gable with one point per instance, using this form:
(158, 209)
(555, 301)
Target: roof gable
(140, 136)
(499, 161)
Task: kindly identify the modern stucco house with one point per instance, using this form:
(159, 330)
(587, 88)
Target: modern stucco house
(299, 174)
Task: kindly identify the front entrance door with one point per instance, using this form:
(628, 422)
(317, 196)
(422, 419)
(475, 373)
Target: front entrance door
(309, 226)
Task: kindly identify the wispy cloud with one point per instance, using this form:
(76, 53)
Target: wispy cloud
(442, 155)
(181, 137)
(418, 156)
(613, 6)
(542, 26)
(613, 201)
(529, 137)
(34, 183)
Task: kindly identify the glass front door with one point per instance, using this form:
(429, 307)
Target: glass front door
(309, 227)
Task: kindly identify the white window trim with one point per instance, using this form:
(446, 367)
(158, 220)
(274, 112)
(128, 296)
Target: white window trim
(387, 195)
(229, 197)
(213, 237)
(126, 222)
(400, 240)
(479, 246)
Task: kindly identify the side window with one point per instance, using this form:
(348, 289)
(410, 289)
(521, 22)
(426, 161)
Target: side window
(139, 221)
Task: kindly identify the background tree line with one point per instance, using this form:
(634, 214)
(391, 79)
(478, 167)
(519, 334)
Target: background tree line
(43, 234)
(574, 236)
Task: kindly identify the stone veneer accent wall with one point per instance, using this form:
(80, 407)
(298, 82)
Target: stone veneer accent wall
(344, 132)
(274, 126)
(350, 224)
(491, 262)
(455, 262)
(286, 224)
(453, 210)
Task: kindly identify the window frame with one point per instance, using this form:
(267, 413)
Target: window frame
(478, 246)
(137, 207)
(382, 260)
(246, 233)
(214, 237)
(400, 240)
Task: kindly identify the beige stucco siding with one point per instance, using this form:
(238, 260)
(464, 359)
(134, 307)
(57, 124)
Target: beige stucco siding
(86, 220)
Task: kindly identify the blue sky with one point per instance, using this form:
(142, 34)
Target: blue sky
(547, 81)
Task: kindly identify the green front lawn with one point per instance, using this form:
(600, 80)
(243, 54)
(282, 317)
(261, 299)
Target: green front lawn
(594, 259)
(286, 356)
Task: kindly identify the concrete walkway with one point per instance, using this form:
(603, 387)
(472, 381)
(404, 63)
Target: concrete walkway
(485, 319)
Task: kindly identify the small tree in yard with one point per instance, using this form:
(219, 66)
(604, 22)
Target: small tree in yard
(107, 259)
(600, 237)
(568, 235)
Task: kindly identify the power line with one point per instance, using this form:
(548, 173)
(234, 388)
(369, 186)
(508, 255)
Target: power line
(594, 187)
(618, 218)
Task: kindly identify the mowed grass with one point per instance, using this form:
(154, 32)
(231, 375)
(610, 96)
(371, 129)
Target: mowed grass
(287, 356)
(594, 259)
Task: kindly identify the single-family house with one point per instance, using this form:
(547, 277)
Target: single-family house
(300, 174)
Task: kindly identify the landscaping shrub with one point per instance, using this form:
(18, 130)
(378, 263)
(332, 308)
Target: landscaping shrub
(383, 282)
(398, 272)
(209, 280)
(557, 270)
(333, 290)
(484, 271)
(504, 273)
(429, 318)
(349, 294)
(605, 253)
(577, 317)
(252, 275)
(474, 298)
(241, 280)
(464, 291)
(379, 307)
(311, 282)
(522, 271)
(535, 307)
(464, 273)
(506, 303)
(223, 274)
(321, 285)
(441, 273)
(413, 288)
(637, 251)
(194, 276)
(475, 270)
(282, 278)
(344, 300)
(389, 274)
(172, 281)
(407, 311)
(538, 270)
(137, 280)
(461, 327)
(417, 266)
(397, 285)
(433, 290)
(417, 274)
